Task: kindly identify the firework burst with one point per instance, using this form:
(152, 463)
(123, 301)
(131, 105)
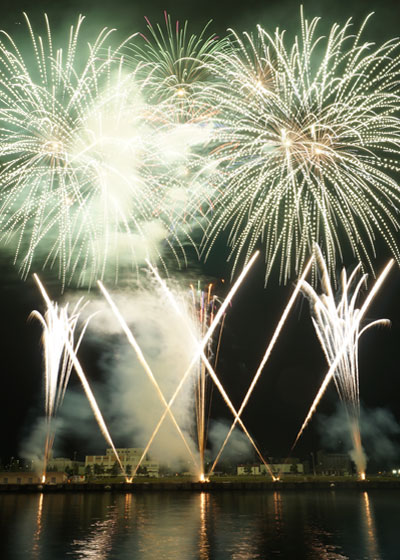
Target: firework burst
(307, 146)
(88, 178)
(174, 63)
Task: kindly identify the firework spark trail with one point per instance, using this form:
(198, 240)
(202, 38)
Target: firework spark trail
(208, 366)
(145, 365)
(338, 330)
(82, 377)
(205, 339)
(265, 357)
(57, 324)
(308, 143)
(202, 313)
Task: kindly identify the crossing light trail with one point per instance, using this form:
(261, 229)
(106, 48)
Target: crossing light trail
(208, 366)
(197, 355)
(265, 358)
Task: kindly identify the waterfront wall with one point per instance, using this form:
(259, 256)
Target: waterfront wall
(201, 487)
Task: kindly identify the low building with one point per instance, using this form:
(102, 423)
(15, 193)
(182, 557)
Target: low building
(129, 456)
(336, 464)
(27, 477)
(63, 464)
(249, 469)
(294, 466)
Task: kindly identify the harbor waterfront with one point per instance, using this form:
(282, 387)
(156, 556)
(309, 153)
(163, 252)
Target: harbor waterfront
(199, 238)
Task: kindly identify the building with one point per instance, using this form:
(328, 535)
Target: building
(249, 470)
(283, 467)
(337, 464)
(130, 457)
(62, 464)
(27, 477)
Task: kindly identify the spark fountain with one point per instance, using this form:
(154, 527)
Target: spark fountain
(338, 325)
(58, 325)
(204, 307)
(61, 334)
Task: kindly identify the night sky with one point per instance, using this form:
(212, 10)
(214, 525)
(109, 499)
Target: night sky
(294, 373)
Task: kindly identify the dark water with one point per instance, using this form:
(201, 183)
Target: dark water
(329, 525)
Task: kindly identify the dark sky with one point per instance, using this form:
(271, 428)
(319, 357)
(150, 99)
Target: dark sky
(292, 377)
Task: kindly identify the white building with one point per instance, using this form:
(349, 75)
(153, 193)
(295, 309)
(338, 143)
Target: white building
(276, 468)
(249, 469)
(26, 477)
(283, 468)
(130, 456)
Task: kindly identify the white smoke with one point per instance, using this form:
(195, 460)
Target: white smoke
(238, 447)
(133, 402)
(379, 430)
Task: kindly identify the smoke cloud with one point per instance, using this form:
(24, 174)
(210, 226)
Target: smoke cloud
(379, 431)
(238, 446)
(133, 403)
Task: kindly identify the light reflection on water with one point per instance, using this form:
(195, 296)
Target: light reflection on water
(205, 526)
(371, 541)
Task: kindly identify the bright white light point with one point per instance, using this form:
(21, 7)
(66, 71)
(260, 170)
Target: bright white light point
(285, 140)
(181, 92)
(54, 147)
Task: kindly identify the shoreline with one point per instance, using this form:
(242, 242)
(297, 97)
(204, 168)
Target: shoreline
(196, 486)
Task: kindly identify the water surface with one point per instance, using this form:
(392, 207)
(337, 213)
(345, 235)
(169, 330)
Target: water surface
(295, 525)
